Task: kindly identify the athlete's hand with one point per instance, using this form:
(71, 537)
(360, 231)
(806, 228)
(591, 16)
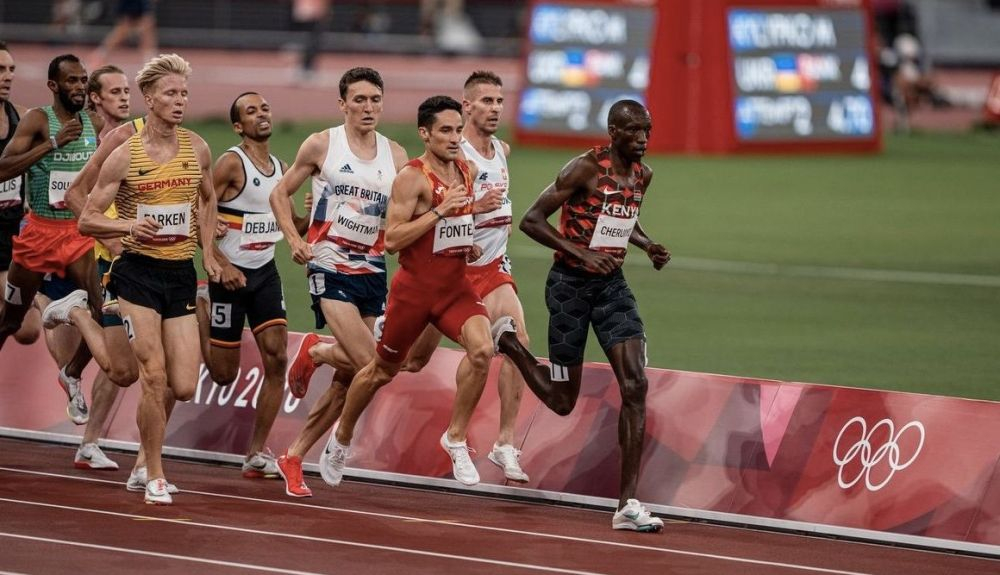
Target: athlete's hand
(232, 278)
(454, 199)
(302, 252)
(474, 254)
(658, 254)
(308, 202)
(70, 131)
(145, 229)
(211, 266)
(599, 262)
(221, 227)
(490, 201)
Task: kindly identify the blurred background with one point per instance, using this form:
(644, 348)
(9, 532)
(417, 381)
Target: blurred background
(827, 172)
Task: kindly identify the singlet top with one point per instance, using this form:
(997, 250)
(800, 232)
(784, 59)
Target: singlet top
(50, 177)
(101, 252)
(438, 256)
(11, 191)
(604, 219)
(347, 227)
(165, 192)
(492, 228)
(253, 230)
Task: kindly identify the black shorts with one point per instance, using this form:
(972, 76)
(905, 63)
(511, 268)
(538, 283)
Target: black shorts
(165, 286)
(261, 301)
(110, 296)
(366, 291)
(576, 300)
(133, 8)
(8, 229)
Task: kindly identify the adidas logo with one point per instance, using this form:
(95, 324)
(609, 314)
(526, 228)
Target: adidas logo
(346, 169)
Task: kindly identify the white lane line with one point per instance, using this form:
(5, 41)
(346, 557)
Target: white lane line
(279, 534)
(246, 566)
(788, 270)
(452, 523)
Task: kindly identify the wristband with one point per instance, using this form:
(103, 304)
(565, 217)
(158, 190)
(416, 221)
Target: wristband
(54, 142)
(436, 213)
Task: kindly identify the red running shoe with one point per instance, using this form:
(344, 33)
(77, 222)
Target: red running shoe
(302, 368)
(290, 468)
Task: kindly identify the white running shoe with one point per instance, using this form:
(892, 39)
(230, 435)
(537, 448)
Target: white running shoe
(501, 326)
(90, 456)
(634, 517)
(137, 481)
(76, 408)
(158, 492)
(506, 457)
(57, 312)
(333, 460)
(378, 327)
(261, 465)
(462, 466)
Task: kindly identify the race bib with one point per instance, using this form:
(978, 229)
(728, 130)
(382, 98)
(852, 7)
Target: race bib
(453, 236)
(59, 183)
(10, 193)
(175, 220)
(612, 233)
(499, 217)
(353, 229)
(260, 231)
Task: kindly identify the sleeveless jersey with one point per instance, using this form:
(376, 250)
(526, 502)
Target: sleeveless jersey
(350, 198)
(253, 231)
(602, 220)
(438, 256)
(11, 191)
(165, 192)
(492, 228)
(101, 252)
(50, 177)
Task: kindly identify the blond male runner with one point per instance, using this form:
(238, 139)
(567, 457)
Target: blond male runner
(161, 182)
(345, 252)
(249, 288)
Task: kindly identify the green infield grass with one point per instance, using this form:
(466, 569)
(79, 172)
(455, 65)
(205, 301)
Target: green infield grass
(875, 271)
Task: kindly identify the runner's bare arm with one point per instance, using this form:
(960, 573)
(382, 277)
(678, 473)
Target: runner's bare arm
(207, 208)
(227, 180)
(28, 145)
(301, 222)
(308, 161)
(76, 195)
(658, 254)
(407, 189)
(398, 155)
(93, 222)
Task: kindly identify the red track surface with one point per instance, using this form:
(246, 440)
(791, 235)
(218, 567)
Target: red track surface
(57, 519)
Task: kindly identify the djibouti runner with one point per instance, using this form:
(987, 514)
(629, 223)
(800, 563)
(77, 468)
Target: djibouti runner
(353, 169)
(52, 144)
(249, 288)
(600, 193)
(161, 182)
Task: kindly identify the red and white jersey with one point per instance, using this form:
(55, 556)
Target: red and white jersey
(492, 228)
(350, 197)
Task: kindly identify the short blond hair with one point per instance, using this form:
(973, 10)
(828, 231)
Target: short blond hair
(162, 65)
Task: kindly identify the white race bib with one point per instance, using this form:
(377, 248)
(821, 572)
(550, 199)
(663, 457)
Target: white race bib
(353, 229)
(175, 220)
(612, 233)
(59, 183)
(259, 232)
(453, 236)
(10, 193)
(499, 217)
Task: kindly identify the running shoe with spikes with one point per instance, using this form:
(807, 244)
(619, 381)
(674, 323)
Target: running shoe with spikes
(261, 465)
(635, 517)
(462, 466)
(290, 468)
(76, 408)
(301, 370)
(506, 457)
(333, 460)
(90, 456)
(137, 481)
(501, 326)
(57, 312)
(157, 493)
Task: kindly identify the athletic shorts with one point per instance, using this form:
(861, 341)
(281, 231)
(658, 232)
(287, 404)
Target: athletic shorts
(49, 246)
(489, 277)
(261, 301)
(577, 299)
(166, 286)
(8, 229)
(108, 292)
(133, 8)
(55, 287)
(411, 307)
(365, 291)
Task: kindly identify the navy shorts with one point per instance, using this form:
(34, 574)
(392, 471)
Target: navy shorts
(365, 291)
(261, 302)
(577, 300)
(55, 287)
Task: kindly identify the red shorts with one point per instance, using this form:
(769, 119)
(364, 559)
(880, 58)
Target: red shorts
(489, 277)
(412, 306)
(49, 246)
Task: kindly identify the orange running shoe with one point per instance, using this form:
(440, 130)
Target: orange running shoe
(302, 367)
(290, 468)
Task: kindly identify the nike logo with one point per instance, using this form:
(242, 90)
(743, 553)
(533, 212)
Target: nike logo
(143, 172)
(87, 457)
(189, 307)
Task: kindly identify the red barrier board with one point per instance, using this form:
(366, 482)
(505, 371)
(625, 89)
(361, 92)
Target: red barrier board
(895, 463)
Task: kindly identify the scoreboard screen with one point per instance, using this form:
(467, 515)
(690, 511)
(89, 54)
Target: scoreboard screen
(800, 74)
(580, 59)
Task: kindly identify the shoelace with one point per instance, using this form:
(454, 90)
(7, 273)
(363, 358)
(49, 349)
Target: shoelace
(337, 456)
(461, 455)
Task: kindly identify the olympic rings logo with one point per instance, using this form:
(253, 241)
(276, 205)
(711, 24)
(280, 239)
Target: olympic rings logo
(889, 454)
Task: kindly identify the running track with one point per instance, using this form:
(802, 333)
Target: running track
(57, 519)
